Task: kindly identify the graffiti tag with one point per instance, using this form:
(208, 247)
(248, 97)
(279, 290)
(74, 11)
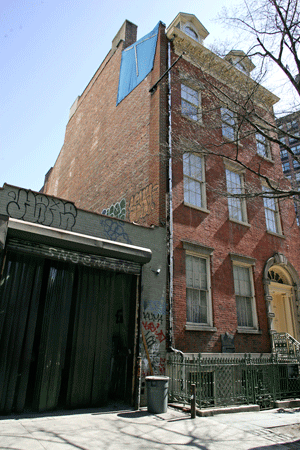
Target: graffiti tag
(117, 210)
(142, 203)
(38, 208)
(115, 231)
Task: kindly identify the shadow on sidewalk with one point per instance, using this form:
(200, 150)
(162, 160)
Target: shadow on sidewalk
(292, 445)
(108, 409)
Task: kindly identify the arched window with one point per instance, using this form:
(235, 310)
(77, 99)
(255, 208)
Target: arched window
(190, 32)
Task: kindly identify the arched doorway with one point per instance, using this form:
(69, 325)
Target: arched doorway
(281, 282)
(281, 290)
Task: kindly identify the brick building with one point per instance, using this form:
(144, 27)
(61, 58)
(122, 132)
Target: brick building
(158, 147)
(290, 129)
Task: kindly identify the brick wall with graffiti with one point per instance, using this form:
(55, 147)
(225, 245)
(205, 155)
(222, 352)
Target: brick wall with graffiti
(140, 205)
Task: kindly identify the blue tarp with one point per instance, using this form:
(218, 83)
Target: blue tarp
(137, 61)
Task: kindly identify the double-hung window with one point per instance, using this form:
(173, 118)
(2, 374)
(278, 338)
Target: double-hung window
(244, 297)
(194, 180)
(196, 289)
(272, 213)
(190, 103)
(235, 189)
(262, 145)
(229, 127)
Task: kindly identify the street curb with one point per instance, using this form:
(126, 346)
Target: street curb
(214, 411)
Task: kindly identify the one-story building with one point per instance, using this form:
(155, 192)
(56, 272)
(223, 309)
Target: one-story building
(81, 295)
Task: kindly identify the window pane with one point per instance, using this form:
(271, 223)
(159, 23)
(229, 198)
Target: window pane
(189, 102)
(262, 145)
(196, 289)
(244, 312)
(193, 179)
(234, 186)
(271, 213)
(228, 123)
(243, 295)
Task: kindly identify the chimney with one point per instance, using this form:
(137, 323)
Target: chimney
(127, 33)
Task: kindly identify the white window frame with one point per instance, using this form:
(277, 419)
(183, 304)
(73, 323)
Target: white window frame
(229, 124)
(272, 214)
(196, 252)
(247, 298)
(190, 102)
(262, 146)
(237, 209)
(194, 186)
(240, 261)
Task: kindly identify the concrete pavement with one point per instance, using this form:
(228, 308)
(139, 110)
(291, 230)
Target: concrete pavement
(119, 428)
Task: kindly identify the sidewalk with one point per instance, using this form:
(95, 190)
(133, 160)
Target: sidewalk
(122, 429)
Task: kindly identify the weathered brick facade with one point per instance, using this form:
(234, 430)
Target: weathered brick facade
(112, 153)
(115, 159)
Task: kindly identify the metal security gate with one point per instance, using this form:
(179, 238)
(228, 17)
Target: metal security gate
(66, 333)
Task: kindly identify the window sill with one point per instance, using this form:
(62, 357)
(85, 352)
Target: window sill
(198, 121)
(241, 330)
(199, 327)
(246, 224)
(266, 158)
(276, 234)
(198, 208)
(234, 141)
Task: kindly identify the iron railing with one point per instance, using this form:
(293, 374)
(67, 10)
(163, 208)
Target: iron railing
(285, 346)
(232, 379)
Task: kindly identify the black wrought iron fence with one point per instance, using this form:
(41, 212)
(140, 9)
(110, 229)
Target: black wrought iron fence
(232, 380)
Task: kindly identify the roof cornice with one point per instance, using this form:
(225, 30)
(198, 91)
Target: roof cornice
(219, 68)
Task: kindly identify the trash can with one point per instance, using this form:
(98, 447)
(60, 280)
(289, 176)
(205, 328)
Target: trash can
(157, 394)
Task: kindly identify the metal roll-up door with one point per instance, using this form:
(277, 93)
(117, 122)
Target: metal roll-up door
(67, 332)
(20, 286)
(73, 257)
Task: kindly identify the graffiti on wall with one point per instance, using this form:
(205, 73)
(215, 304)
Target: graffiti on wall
(142, 203)
(153, 323)
(38, 208)
(117, 210)
(115, 231)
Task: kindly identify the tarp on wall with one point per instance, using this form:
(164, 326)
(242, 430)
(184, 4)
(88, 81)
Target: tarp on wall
(137, 61)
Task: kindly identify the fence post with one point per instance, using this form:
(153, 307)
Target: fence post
(193, 401)
(199, 382)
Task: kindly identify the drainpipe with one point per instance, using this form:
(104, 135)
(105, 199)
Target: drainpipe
(170, 203)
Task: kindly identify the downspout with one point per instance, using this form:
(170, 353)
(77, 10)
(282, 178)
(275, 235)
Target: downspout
(170, 203)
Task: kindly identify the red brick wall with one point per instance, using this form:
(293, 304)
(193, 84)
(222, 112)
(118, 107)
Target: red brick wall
(107, 155)
(214, 229)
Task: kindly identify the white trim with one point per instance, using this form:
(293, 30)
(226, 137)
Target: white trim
(77, 241)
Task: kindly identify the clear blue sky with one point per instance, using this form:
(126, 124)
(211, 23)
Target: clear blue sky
(50, 49)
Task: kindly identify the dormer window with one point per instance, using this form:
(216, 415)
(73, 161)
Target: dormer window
(189, 25)
(240, 66)
(190, 32)
(240, 60)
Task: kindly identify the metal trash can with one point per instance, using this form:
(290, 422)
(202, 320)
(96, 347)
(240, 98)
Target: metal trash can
(157, 394)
